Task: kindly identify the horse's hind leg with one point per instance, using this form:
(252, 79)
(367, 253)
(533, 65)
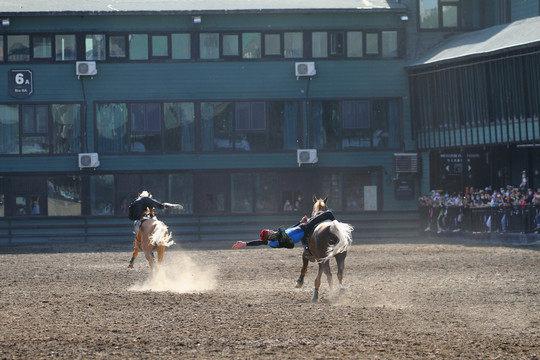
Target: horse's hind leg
(340, 260)
(303, 272)
(328, 272)
(323, 267)
(160, 253)
(150, 258)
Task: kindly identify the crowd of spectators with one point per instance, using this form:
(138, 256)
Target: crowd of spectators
(509, 209)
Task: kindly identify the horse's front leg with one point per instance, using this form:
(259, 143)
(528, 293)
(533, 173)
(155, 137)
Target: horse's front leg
(135, 253)
(303, 272)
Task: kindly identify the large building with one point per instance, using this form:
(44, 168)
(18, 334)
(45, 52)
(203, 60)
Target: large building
(241, 112)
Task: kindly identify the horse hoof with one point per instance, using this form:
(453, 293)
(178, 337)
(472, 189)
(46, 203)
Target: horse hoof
(315, 297)
(298, 285)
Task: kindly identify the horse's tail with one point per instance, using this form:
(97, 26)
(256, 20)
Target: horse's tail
(161, 235)
(343, 232)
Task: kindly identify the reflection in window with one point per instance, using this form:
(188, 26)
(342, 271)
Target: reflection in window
(209, 45)
(372, 43)
(230, 45)
(354, 44)
(35, 128)
(319, 44)
(160, 46)
(64, 196)
(117, 46)
(250, 126)
(283, 125)
(138, 47)
(42, 47)
(326, 124)
(2, 198)
(111, 121)
(332, 186)
(66, 49)
(389, 44)
(266, 188)
(145, 127)
(293, 44)
(337, 40)
(356, 123)
(95, 47)
(179, 131)
(216, 119)
(429, 14)
(272, 44)
(449, 16)
(241, 193)
(1, 48)
(181, 46)
(9, 129)
(66, 128)
(251, 45)
(102, 195)
(18, 47)
(353, 190)
(181, 190)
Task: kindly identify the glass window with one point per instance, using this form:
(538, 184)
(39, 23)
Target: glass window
(283, 125)
(216, 132)
(1, 48)
(251, 45)
(66, 48)
(94, 47)
(319, 44)
(356, 123)
(326, 124)
(35, 127)
(272, 44)
(18, 47)
(230, 45)
(372, 43)
(9, 129)
(337, 42)
(429, 14)
(160, 46)
(156, 185)
(181, 190)
(181, 46)
(64, 195)
(241, 193)
(42, 47)
(293, 44)
(117, 46)
(2, 198)
(353, 190)
(179, 121)
(332, 186)
(355, 44)
(66, 134)
(102, 196)
(266, 188)
(389, 44)
(146, 127)
(449, 16)
(112, 120)
(209, 45)
(138, 47)
(250, 123)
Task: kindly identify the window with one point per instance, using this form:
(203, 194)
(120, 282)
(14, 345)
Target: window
(18, 47)
(372, 43)
(429, 14)
(209, 46)
(181, 46)
(231, 45)
(146, 127)
(242, 193)
(272, 45)
(251, 45)
(250, 126)
(160, 46)
(1, 48)
(94, 47)
(138, 47)
(66, 48)
(293, 44)
(64, 195)
(337, 43)
(435, 14)
(117, 46)
(266, 189)
(389, 43)
(319, 44)
(35, 128)
(179, 120)
(112, 127)
(42, 47)
(181, 190)
(9, 129)
(326, 129)
(449, 16)
(216, 120)
(66, 132)
(102, 196)
(355, 47)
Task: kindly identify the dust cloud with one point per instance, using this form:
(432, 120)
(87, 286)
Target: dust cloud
(179, 274)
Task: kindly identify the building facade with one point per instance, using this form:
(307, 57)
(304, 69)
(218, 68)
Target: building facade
(242, 112)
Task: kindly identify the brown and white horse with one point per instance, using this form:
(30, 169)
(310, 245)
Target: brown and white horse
(153, 235)
(330, 239)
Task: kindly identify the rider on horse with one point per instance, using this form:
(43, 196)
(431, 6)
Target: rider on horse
(288, 237)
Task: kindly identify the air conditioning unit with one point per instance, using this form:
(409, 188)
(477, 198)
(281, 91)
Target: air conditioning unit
(305, 69)
(406, 163)
(306, 156)
(85, 68)
(88, 160)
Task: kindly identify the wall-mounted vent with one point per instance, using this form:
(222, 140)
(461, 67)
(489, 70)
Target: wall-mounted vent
(306, 156)
(88, 160)
(305, 69)
(85, 68)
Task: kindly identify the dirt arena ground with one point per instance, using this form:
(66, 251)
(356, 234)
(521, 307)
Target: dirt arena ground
(422, 299)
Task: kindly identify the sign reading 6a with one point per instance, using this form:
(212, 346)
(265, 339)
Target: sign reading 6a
(20, 83)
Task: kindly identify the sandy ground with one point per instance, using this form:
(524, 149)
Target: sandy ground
(412, 300)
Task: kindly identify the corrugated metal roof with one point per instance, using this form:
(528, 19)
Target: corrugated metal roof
(484, 42)
(28, 7)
